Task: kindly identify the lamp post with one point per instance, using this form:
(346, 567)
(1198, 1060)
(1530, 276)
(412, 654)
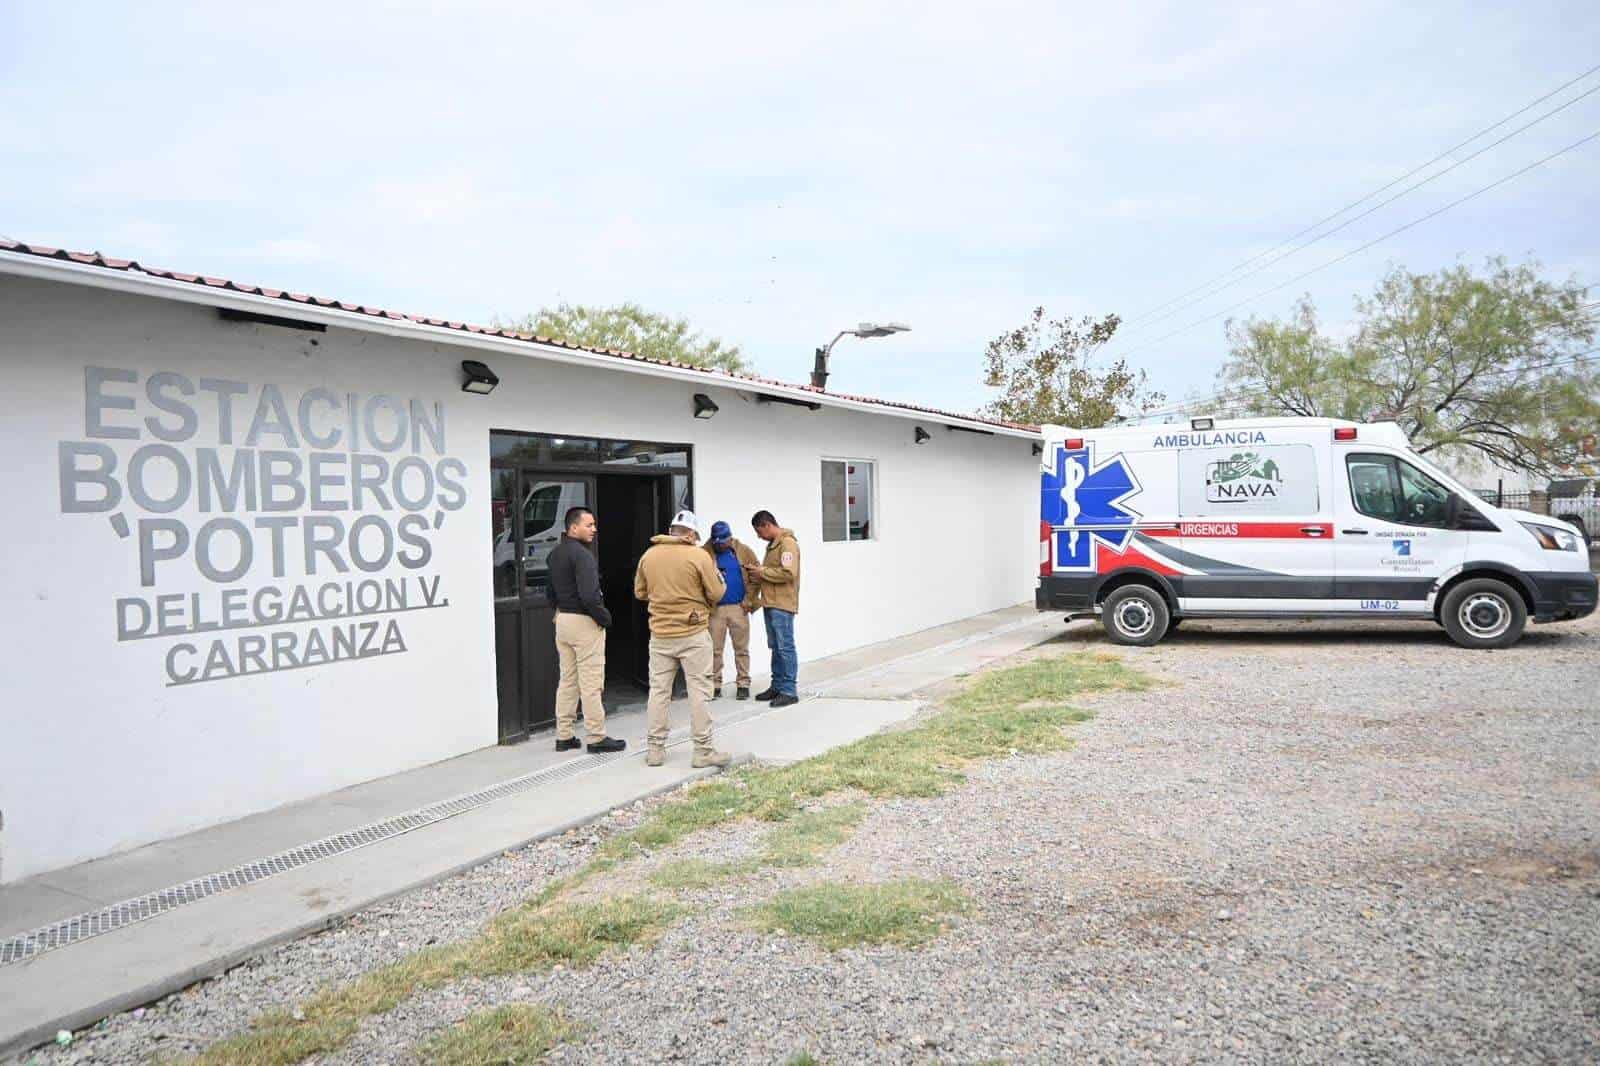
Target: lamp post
(819, 372)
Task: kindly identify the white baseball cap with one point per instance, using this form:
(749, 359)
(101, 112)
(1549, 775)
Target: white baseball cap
(687, 520)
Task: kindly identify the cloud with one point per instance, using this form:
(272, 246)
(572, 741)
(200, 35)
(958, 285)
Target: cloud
(775, 171)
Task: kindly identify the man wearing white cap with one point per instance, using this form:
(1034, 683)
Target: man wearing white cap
(682, 586)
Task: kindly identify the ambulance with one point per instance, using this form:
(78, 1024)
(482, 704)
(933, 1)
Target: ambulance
(1145, 526)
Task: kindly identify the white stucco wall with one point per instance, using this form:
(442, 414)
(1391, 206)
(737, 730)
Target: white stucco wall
(98, 753)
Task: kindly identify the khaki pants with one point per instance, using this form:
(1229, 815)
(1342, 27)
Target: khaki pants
(581, 648)
(693, 653)
(730, 619)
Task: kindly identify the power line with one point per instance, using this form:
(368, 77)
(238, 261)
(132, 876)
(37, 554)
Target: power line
(1375, 241)
(1381, 189)
(1374, 208)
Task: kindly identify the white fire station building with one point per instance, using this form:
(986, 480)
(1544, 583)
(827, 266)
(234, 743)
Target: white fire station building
(260, 546)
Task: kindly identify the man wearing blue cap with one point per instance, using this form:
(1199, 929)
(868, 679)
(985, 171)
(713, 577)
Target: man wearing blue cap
(732, 614)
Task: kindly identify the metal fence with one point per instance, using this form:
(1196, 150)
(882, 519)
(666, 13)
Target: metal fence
(1583, 512)
(1523, 500)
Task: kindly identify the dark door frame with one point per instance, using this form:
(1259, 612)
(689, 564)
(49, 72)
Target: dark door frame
(532, 677)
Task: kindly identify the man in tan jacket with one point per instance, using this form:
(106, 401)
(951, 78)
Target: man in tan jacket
(778, 581)
(731, 616)
(681, 584)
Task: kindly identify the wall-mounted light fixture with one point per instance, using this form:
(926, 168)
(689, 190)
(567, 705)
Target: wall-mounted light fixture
(479, 378)
(921, 436)
(703, 406)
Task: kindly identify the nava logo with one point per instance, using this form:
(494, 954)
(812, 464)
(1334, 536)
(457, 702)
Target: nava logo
(1083, 505)
(1402, 547)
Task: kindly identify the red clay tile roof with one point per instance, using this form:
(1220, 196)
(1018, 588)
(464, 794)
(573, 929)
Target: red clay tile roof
(96, 259)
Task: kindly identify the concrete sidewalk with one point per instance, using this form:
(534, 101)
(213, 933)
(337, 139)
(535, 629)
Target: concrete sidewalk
(535, 793)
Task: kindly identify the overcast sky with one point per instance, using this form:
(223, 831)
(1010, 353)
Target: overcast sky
(777, 174)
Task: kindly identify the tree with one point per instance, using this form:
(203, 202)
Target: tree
(1047, 372)
(629, 328)
(1491, 365)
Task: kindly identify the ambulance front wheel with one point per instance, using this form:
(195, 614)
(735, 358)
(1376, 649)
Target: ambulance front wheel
(1135, 615)
(1484, 613)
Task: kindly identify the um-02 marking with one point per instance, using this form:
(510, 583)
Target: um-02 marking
(1380, 605)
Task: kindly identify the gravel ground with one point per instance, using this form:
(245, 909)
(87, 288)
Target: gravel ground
(1313, 842)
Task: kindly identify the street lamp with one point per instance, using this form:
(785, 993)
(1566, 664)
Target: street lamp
(819, 372)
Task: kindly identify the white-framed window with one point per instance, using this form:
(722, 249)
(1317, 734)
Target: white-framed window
(849, 493)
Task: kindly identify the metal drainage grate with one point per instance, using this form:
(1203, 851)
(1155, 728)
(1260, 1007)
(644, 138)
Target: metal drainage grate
(94, 923)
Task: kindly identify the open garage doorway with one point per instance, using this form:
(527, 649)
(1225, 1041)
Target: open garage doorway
(633, 487)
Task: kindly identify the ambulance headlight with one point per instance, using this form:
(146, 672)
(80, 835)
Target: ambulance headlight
(1554, 538)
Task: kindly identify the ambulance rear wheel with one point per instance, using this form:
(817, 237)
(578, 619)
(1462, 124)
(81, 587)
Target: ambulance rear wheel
(1136, 615)
(1484, 613)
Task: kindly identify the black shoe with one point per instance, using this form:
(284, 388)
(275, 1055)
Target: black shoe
(767, 695)
(600, 747)
(570, 744)
(743, 693)
(783, 699)
(716, 693)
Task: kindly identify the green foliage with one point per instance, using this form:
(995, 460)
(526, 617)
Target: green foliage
(514, 1035)
(801, 839)
(690, 875)
(838, 915)
(798, 840)
(629, 328)
(1482, 365)
(1048, 373)
(537, 935)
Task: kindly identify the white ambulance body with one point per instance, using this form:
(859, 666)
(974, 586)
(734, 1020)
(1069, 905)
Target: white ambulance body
(1289, 517)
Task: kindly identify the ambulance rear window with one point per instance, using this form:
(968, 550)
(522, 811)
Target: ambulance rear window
(1261, 479)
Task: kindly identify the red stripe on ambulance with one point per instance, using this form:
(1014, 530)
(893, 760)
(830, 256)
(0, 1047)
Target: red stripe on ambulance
(1246, 530)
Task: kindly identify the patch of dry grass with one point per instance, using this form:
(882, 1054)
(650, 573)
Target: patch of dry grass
(908, 912)
(514, 1035)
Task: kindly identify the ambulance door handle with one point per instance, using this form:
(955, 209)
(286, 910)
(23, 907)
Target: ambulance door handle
(1354, 532)
(1311, 531)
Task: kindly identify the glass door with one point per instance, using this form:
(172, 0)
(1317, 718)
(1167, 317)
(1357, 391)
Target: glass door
(525, 650)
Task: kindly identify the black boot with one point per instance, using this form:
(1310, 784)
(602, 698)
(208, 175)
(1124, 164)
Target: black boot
(783, 699)
(767, 695)
(743, 693)
(570, 744)
(605, 744)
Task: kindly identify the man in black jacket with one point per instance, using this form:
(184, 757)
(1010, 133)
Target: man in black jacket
(581, 621)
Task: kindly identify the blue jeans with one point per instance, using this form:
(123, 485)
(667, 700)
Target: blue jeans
(780, 638)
